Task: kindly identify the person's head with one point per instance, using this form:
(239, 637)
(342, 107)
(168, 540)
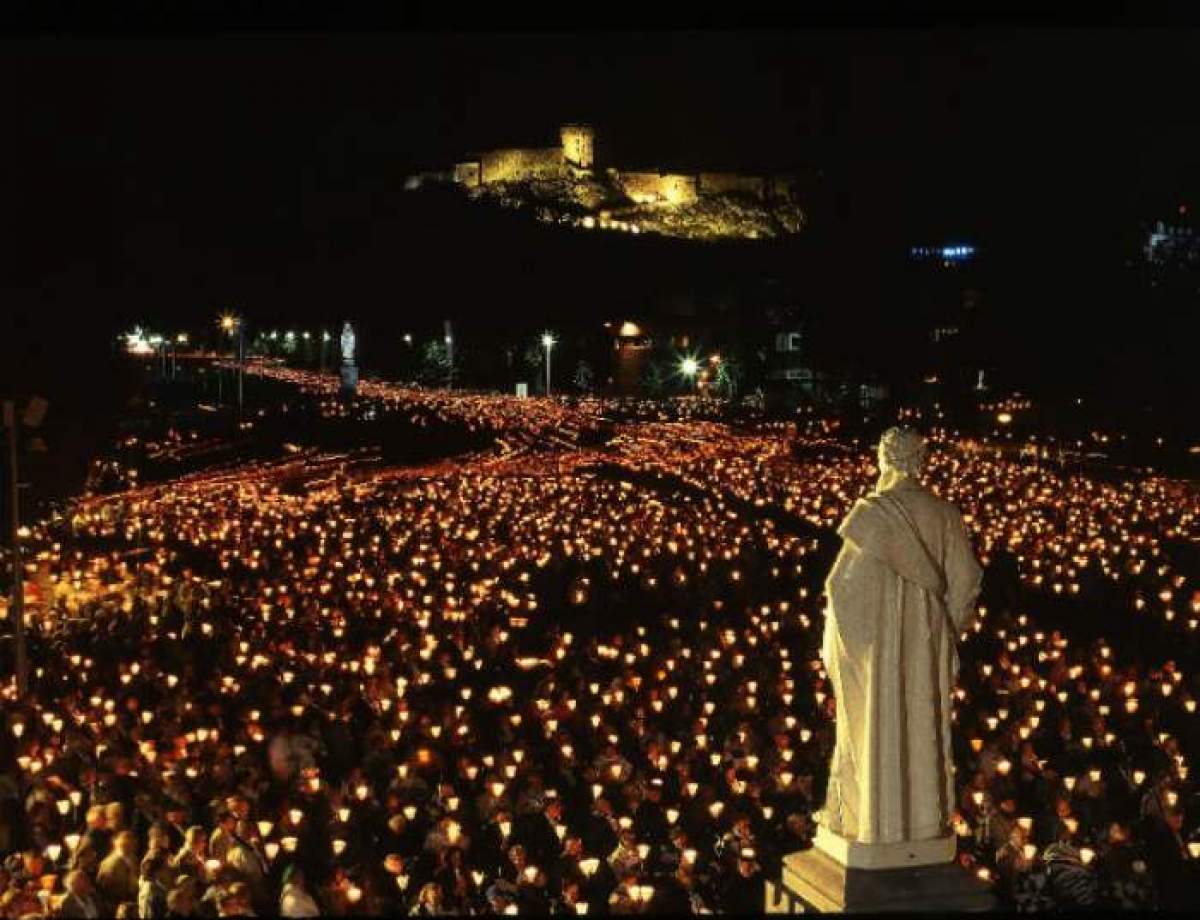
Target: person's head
(570, 890)
(114, 816)
(901, 454)
(158, 838)
(227, 821)
(127, 910)
(33, 862)
(431, 894)
(181, 900)
(125, 843)
(95, 818)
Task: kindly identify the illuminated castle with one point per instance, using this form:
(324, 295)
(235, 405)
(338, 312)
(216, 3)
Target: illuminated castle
(568, 189)
(573, 158)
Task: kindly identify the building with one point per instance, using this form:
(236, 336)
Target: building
(574, 157)
(943, 290)
(562, 185)
(1172, 246)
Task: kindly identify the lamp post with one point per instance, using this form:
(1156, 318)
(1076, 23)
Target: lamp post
(231, 323)
(548, 341)
(689, 368)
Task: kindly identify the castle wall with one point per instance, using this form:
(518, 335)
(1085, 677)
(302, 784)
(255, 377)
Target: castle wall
(647, 187)
(468, 173)
(578, 142)
(678, 189)
(642, 187)
(723, 183)
(521, 163)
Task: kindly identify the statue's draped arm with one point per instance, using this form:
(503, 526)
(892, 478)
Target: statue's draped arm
(963, 574)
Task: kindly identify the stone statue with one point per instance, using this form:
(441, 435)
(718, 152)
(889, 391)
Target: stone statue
(902, 590)
(347, 344)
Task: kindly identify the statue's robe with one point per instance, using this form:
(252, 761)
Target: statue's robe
(901, 591)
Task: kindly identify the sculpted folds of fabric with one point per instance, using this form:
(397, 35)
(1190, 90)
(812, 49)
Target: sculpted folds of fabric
(901, 591)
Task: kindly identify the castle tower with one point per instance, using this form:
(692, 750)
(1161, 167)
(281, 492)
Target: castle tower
(577, 144)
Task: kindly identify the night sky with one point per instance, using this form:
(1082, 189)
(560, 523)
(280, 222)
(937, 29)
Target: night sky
(159, 178)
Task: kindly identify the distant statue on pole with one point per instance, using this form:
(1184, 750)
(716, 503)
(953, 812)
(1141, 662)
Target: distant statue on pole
(902, 590)
(349, 367)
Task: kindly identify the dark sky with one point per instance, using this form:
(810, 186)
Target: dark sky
(164, 176)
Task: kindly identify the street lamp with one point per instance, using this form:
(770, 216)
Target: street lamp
(229, 324)
(689, 368)
(548, 341)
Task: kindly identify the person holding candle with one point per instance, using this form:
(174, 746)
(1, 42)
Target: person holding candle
(117, 877)
(155, 871)
(193, 855)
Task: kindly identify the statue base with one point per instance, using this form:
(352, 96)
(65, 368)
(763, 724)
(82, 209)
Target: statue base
(855, 855)
(349, 379)
(814, 881)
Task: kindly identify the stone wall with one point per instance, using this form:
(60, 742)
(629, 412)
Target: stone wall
(578, 143)
(723, 183)
(647, 187)
(678, 189)
(467, 173)
(522, 163)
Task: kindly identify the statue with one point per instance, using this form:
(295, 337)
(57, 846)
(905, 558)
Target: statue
(349, 368)
(902, 590)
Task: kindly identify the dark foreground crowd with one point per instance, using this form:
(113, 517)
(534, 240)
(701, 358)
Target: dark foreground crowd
(556, 694)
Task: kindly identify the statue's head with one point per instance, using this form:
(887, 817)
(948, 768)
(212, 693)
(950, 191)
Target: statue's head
(901, 450)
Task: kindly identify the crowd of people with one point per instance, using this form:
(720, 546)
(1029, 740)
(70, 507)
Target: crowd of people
(568, 679)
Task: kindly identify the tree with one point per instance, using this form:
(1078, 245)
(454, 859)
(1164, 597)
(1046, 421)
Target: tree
(535, 359)
(729, 376)
(654, 380)
(585, 377)
(435, 364)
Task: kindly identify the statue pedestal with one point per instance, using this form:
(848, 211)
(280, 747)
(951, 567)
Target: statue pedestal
(349, 379)
(839, 875)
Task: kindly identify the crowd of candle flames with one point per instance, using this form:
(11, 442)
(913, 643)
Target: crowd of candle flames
(629, 611)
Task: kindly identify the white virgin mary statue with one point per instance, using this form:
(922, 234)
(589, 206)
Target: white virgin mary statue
(901, 591)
